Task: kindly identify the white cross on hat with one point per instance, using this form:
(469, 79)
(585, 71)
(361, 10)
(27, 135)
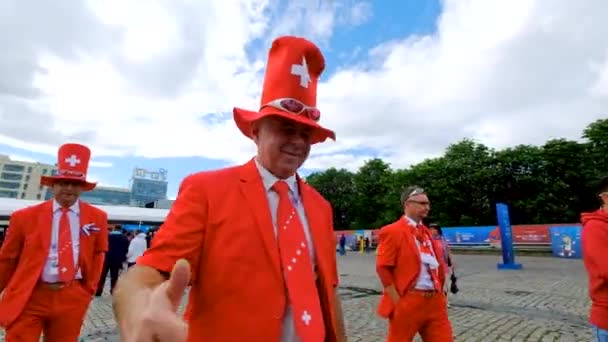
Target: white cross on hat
(301, 70)
(72, 160)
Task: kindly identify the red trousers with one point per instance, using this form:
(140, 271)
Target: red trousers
(56, 312)
(423, 313)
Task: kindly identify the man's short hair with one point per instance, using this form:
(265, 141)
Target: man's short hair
(410, 192)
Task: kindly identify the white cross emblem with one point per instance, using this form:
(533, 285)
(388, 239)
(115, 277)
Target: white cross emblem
(63, 270)
(306, 318)
(73, 160)
(301, 70)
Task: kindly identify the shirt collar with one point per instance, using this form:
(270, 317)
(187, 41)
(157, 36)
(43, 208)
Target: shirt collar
(75, 208)
(268, 179)
(412, 222)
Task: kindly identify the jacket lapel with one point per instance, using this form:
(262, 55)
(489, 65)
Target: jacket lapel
(409, 236)
(84, 239)
(45, 225)
(315, 223)
(256, 197)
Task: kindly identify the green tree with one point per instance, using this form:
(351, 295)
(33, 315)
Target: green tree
(338, 188)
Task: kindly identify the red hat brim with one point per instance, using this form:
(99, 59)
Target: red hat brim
(50, 180)
(244, 120)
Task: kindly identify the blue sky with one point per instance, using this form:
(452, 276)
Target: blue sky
(153, 86)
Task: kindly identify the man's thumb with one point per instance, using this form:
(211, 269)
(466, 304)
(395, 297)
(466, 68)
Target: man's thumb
(179, 280)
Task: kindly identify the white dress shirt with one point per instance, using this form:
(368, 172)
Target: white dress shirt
(424, 282)
(268, 179)
(50, 272)
(137, 247)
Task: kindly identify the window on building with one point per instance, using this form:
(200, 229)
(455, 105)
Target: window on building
(44, 171)
(25, 186)
(22, 195)
(38, 196)
(9, 194)
(27, 178)
(13, 168)
(10, 185)
(29, 169)
(11, 176)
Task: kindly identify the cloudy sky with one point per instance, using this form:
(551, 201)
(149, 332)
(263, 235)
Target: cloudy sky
(152, 83)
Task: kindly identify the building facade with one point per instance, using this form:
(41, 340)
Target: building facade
(105, 195)
(21, 180)
(148, 186)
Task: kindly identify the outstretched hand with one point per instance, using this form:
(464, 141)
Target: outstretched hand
(159, 320)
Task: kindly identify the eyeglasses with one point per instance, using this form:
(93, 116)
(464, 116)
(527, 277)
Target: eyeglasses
(420, 202)
(295, 107)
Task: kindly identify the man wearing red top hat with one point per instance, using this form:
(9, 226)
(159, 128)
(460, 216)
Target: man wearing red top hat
(255, 241)
(52, 257)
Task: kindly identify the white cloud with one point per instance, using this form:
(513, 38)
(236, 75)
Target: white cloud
(16, 157)
(502, 73)
(128, 79)
(100, 164)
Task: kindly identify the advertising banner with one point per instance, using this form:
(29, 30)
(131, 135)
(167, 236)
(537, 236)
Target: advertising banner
(535, 234)
(472, 236)
(566, 242)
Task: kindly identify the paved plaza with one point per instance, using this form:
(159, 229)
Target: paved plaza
(546, 301)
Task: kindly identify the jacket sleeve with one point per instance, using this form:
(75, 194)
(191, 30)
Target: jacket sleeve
(181, 235)
(594, 242)
(99, 253)
(332, 237)
(387, 249)
(11, 250)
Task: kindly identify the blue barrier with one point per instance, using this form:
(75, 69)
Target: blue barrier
(468, 236)
(506, 238)
(133, 227)
(566, 242)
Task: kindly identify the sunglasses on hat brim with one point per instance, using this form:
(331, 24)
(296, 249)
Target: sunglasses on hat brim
(296, 107)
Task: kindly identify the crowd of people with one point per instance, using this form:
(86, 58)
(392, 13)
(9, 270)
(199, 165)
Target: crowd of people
(254, 243)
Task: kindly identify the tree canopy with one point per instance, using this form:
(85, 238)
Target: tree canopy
(552, 183)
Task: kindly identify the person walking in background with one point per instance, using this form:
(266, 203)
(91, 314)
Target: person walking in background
(137, 247)
(437, 234)
(411, 267)
(52, 258)
(118, 245)
(342, 244)
(595, 257)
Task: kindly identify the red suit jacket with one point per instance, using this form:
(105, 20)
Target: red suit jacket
(397, 247)
(26, 249)
(221, 223)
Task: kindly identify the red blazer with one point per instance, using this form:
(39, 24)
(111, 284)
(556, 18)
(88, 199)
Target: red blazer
(221, 223)
(397, 247)
(26, 247)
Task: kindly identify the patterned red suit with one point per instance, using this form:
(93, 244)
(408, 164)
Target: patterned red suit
(24, 254)
(221, 224)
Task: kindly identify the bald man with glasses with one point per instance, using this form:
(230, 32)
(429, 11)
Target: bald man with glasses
(411, 268)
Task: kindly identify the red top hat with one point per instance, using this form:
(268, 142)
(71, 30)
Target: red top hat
(72, 164)
(290, 87)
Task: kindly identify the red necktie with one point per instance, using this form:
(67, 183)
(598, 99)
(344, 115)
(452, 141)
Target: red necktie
(66, 267)
(297, 267)
(425, 247)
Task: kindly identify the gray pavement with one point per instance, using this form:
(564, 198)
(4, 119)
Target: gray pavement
(546, 301)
